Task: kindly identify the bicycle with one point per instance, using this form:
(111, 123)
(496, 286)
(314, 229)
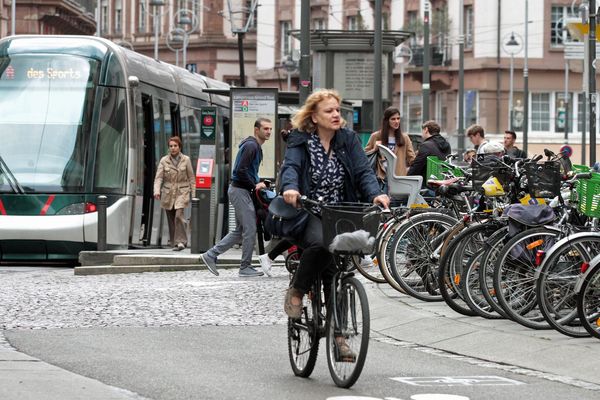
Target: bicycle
(346, 320)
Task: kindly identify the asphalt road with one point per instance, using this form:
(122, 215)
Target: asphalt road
(250, 362)
(190, 335)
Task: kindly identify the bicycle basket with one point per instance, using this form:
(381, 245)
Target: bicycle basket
(437, 168)
(543, 179)
(487, 166)
(588, 191)
(340, 218)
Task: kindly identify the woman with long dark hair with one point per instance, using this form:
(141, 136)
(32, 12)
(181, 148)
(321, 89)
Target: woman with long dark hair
(391, 136)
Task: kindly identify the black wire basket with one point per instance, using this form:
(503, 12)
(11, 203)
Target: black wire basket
(543, 179)
(486, 167)
(340, 218)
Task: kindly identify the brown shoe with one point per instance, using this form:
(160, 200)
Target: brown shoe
(345, 353)
(293, 311)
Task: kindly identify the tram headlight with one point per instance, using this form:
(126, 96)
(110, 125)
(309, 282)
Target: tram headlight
(78, 209)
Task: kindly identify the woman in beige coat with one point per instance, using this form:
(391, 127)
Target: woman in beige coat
(391, 136)
(174, 183)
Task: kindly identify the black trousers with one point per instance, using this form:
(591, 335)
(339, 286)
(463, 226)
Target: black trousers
(279, 248)
(315, 258)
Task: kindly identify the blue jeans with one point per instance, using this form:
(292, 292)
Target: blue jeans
(245, 227)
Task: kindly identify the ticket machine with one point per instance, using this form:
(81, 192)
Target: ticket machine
(204, 187)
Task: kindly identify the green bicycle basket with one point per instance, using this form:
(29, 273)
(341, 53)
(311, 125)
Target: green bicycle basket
(437, 168)
(588, 193)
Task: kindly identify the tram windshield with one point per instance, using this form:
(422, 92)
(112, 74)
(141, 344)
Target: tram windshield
(45, 112)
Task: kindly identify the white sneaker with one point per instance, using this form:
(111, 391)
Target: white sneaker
(265, 264)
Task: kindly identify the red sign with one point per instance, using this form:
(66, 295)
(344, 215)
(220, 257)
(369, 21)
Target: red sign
(208, 120)
(10, 72)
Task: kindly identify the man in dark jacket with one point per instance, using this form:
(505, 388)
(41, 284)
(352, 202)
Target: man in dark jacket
(433, 145)
(244, 179)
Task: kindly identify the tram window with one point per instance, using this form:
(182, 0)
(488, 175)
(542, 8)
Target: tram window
(111, 150)
(190, 133)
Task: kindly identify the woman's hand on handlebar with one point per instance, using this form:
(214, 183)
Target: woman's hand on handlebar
(383, 200)
(292, 197)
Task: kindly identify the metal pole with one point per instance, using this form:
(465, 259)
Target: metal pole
(566, 102)
(510, 90)
(101, 245)
(177, 58)
(185, 43)
(304, 87)
(13, 16)
(155, 20)
(240, 36)
(426, 58)
(195, 234)
(289, 81)
(592, 81)
(461, 78)
(377, 80)
(583, 130)
(98, 17)
(526, 81)
(401, 90)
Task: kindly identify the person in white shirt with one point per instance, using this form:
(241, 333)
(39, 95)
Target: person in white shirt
(476, 135)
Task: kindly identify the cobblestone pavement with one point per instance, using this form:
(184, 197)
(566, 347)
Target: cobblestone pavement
(46, 299)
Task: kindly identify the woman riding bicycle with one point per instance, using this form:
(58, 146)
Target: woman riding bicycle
(323, 160)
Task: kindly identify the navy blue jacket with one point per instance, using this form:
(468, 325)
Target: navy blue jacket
(247, 162)
(360, 183)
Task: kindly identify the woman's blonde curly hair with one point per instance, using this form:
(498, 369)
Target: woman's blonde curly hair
(302, 120)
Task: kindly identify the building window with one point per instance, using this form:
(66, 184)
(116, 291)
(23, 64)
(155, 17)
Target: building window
(468, 20)
(580, 112)
(558, 35)
(141, 25)
(118, 16)
(319, 24)
(471, 107)
(412, 109)
(352, 23)
(286, 40)
(540, 112)
(252, 26)
(104, 25)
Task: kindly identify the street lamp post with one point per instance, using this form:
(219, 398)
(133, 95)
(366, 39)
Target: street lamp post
(241, 18)
(155, 4)
(13, 16)
(512, 47)
(188, 22)
(403, 56)
(526, 81)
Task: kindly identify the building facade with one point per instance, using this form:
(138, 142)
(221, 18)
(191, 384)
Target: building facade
(271, 51)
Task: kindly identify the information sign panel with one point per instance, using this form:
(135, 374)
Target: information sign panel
(248, 104)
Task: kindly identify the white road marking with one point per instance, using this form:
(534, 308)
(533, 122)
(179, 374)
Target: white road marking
(457, 381)
(567, 380)
(437, 396)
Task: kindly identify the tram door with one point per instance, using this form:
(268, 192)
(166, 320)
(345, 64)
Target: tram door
(149, 172)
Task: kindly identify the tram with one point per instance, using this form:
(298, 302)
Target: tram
(81, 117)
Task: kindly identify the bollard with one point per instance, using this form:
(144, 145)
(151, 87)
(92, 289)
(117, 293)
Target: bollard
(101, 246)
(195, 239)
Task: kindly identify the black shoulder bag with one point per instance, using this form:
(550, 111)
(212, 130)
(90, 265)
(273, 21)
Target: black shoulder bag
(286, 221)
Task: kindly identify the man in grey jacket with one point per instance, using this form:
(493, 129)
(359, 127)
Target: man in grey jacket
(244, 179)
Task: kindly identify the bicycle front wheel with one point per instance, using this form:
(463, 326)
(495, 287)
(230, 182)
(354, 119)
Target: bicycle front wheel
(303, 338)
(348, 327)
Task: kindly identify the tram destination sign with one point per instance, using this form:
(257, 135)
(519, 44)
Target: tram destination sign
(248, 104)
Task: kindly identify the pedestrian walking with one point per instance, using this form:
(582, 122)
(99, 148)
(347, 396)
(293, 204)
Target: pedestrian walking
(244, 179)
(510, 137)
(174, 184)
(390, 135)
(433, 145)
(476, 135)
(323, 160)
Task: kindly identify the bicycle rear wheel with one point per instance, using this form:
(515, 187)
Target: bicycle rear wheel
(588, 302)
(348, 324)
(303, 338)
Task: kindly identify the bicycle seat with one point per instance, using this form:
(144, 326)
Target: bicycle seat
(401, 186)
